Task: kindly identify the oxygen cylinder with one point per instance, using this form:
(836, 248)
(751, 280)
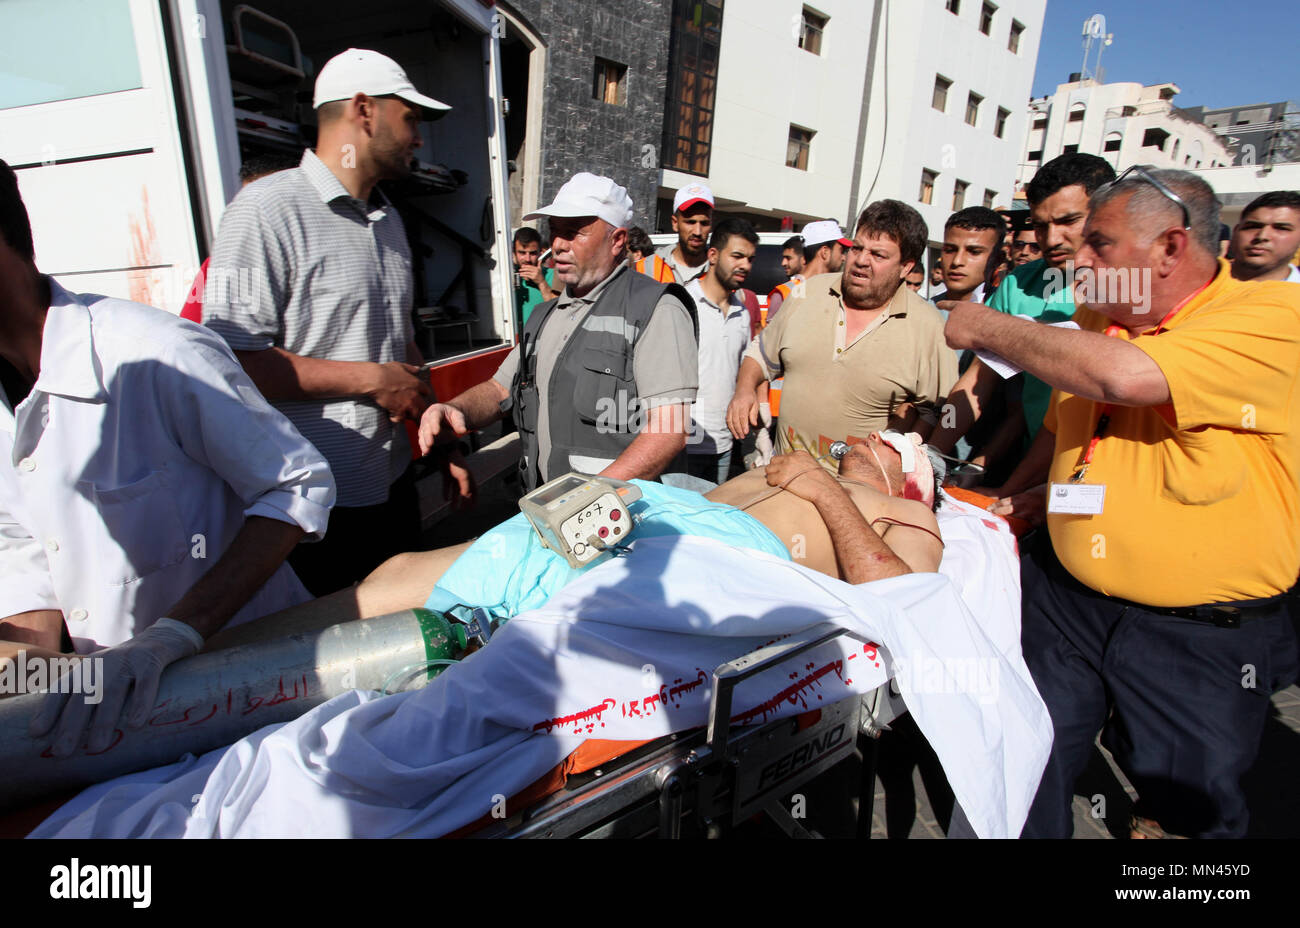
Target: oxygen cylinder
(216, 698)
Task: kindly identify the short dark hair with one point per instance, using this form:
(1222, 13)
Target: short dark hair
(724, 230)
(810, 251)
(526, 235)
(1088, 171)
(638, 239)
(977, 219)
(793, 243)
(328, 112)
(14, 224)
(900, 222)
(1274, 199)
(268, 162)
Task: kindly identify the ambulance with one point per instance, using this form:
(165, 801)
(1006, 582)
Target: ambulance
(127, 121)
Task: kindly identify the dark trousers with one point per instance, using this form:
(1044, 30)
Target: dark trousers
(359, 539)
(1183, 702)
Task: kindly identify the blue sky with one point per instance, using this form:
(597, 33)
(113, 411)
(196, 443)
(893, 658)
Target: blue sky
(1220, 53)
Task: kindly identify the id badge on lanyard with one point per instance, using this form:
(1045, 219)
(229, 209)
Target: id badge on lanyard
(1077, 499)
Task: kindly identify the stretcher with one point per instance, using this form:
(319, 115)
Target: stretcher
(522, 717)
(706, 782)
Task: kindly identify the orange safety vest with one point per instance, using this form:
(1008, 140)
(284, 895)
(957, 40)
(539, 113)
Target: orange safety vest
(657, 268)
(784, 289)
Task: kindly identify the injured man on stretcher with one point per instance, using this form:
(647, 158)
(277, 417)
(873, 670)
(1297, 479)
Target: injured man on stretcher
(620, 651)
(874, 520)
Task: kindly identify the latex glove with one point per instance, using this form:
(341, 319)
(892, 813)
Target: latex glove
(763, 448)
(765, 414)
(135, 666)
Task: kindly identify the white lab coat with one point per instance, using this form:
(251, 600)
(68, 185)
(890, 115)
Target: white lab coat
(132, 464)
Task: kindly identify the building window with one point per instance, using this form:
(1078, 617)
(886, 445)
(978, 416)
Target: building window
(1076, 114)
(1069, 149)
(1112, 144)
(940, 99)
(986, 18)
(1000, 126)
(959, 194)
(1155, 138)
(927, 186)
(1013, 43)
(1040, 121)
(1035, 156)
(810, 31)
(693, 65)
(796, 150)
(954, 7)
(973, 108)
(610, 85)
(989, 197)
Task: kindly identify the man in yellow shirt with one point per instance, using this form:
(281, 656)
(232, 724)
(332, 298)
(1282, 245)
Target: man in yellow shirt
(1157, 609)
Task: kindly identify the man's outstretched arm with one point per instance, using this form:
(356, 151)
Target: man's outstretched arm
(862, 554)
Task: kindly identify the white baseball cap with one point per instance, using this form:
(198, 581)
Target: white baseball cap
(690, 195)
(590, 195)
(822, 232)
(359, 70)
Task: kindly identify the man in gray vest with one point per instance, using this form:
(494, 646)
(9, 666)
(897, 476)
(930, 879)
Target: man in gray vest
(603, 375)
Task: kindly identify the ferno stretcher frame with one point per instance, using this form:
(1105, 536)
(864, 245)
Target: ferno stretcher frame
(707, 781)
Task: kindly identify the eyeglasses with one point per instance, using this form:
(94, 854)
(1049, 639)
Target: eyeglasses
(1143, 174)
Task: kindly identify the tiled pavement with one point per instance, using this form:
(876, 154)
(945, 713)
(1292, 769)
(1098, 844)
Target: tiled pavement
(1272, 787)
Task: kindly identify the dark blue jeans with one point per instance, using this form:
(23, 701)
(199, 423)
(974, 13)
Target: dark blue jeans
(1183, 702)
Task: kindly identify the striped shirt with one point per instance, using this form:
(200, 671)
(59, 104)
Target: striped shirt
(300, 264)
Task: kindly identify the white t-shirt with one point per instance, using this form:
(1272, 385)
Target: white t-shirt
(724, 335)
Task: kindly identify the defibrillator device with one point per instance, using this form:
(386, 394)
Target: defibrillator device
(580, 517)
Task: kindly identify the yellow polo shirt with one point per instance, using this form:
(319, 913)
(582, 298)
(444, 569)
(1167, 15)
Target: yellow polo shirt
(1203, 494)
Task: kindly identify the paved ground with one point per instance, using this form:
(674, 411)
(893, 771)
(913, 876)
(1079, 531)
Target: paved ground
(1272, 788)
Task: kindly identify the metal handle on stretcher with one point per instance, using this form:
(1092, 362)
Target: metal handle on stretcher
(726, 676)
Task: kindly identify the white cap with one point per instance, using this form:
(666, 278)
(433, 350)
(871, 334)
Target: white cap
(690, 195)
(359, 70)
(822, 232)
(589, 195)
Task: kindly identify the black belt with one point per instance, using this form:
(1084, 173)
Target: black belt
(1224, 615)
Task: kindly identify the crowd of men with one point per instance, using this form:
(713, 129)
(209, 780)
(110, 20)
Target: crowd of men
(1130, 394)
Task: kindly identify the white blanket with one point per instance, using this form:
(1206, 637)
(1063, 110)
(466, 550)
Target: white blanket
(617, 655)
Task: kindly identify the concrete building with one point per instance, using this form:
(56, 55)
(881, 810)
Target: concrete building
(1261, 133)
(804, 112)
(1125, 123)
(945, 115)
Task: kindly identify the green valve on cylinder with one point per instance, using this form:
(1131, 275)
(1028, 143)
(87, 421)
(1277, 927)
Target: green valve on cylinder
(443, 639)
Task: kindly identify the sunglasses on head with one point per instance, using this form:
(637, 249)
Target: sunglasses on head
(1143, 174)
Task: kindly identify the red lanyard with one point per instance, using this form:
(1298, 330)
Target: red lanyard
(1103, 421)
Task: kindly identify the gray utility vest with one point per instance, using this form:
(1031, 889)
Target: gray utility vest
(594, 408)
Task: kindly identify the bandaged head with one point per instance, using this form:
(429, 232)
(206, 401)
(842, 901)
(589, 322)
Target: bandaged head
(918, 470)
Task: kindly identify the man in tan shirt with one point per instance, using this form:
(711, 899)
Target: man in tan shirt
(859, 352)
